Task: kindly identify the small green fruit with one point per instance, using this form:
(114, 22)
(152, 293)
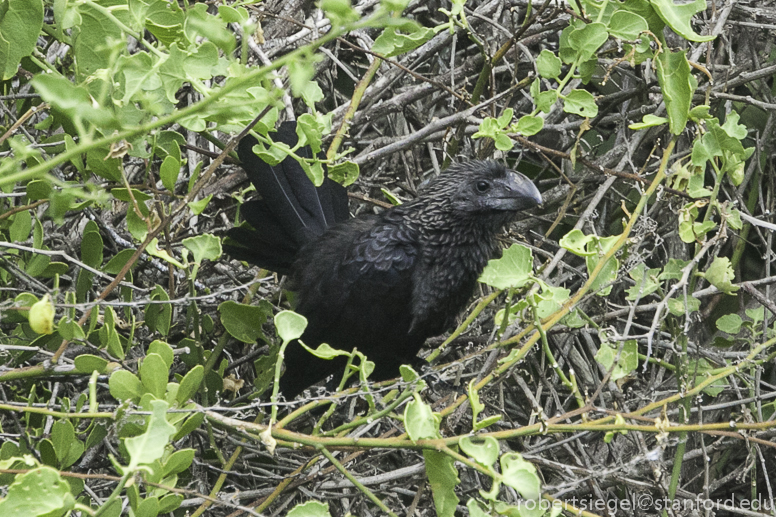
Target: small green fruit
(42, 316)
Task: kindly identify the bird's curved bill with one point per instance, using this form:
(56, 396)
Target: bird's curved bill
(517, 192)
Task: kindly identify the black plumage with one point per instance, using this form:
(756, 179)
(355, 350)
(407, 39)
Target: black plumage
(380, 283)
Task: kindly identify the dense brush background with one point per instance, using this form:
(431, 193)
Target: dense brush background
(66, 227)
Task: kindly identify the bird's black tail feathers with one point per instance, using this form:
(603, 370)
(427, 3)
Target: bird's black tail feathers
(291, 210)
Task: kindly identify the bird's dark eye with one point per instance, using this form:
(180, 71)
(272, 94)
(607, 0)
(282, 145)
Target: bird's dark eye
(482, 186)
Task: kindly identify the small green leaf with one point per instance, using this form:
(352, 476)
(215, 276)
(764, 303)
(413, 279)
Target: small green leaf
(629, 358)
(243, 322)
(125, 385)
(310, 509)
(344, 173)
(580, 102)
(149, 446)
(204, 246)
(154, 250)
(38, 493)
(197, 207)
(163, 350)
(392, 43)
(154, 374)
(21, 226)
(730, 323)
(702, 370)
(520, 475)
(677, 85)
(627, 25)
(324, 351)
(720, 274)
(513, 269)
(290, 325)
(648, 121)
(577, 242)
(529, 125)
(484, 451)
(548, 64)
(88, 363)
(178, 462)
(677, 306)
(190, 384)
(420, 421)
(443, 478)
(545, 100)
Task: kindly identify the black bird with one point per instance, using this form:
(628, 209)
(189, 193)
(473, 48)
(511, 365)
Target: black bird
(380, 283)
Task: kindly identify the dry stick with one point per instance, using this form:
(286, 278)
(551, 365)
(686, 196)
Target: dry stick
(431, 128)
(29, 113)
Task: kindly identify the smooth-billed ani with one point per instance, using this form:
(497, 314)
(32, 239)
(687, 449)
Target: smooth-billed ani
(380, 283)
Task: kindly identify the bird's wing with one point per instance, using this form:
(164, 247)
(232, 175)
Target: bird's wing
(365, 300)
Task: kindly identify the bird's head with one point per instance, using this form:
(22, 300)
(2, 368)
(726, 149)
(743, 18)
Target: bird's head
(488, 187)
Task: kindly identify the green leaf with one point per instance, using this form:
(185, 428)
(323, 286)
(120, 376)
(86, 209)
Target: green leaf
(310, 509)
(520, 475)
(730, 323)
(545, 100)
(20, 25)
(677, 306)
(91, 246)
(62, 435)
(340, 12)
(243, 322)
(149, 446)
(677, 85)
(720, 274)
(647, 282)
(21, 226)
(163, 350)
(529, 125)
(290, 325)
(40, 492)
(648, 121)
(87, 363)
(154, 374)
(548, 64)
(344, 173)
(549, 300)
(125, 385)
(629, 358)
(484, 450)
(420, 422)
(324, 351)
(197, 207)
(580, 102)
(577, 243)
(178, 462)
(677, 16)
(154, 250)
(443, 478)
(702, 370)
(588, 39)
(204, 246)
(513, 269)
(391, 43)
(627, 25)
(169, 171)
(190, 384)
(159, 315)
